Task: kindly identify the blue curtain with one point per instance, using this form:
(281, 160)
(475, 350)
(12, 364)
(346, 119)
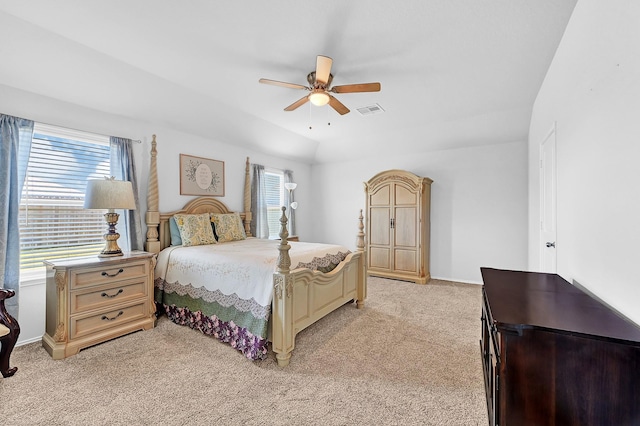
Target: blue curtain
(291, 223)
(259, 218)
(15, 144)
(123, 168)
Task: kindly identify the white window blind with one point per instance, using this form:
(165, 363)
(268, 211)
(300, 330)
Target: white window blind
(53, 222)
(274, 182)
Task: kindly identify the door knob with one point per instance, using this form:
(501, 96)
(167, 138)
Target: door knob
(553, 244)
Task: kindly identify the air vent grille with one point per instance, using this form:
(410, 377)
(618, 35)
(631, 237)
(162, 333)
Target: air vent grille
(370, 109)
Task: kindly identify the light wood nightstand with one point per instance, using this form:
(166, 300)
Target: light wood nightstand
(91, 300)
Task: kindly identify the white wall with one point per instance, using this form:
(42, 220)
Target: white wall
(478, 205)
(170, 144)
(592, 91)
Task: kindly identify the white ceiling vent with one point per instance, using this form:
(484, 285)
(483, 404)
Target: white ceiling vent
(371, 109)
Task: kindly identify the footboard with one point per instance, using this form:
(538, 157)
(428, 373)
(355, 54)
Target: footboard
(302, 296)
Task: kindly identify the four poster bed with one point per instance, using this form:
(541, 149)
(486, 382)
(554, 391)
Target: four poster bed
(244, 291)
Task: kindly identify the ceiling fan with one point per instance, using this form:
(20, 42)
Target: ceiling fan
(319, 86)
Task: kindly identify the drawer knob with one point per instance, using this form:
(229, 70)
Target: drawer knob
(106, 274)
(112, 295)
(106, 318)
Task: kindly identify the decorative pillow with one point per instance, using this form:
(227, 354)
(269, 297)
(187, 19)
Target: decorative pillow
(175, 232)
(195, 229)
(228, 227)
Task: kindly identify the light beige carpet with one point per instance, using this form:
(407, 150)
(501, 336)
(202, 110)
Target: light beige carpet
(411, 357)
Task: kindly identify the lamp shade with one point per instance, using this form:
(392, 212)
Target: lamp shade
(319, 98)
(109, 194)
(290, 186)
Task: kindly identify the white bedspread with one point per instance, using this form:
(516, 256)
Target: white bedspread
(244, 268)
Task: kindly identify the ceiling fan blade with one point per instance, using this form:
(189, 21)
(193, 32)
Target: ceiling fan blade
(355, 88)
(283, 84)
(323, 69)
(297, 103)
(338, 106)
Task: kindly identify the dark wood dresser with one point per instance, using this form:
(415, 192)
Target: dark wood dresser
(553, 355)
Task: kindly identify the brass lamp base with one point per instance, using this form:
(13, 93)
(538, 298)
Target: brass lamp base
(111, 237)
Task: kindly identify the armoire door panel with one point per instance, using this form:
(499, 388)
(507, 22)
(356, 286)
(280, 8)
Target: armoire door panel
(381, 197)
(380, 226)
(405, 261)
(404, 196)
(406, 227)
(379, 257)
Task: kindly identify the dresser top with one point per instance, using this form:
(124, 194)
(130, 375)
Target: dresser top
(97, 261)
(537, 300)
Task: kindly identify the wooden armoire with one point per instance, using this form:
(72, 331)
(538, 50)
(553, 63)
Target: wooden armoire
(398, 226)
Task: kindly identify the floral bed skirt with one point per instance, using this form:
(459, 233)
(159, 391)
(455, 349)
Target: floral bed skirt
(214, 316)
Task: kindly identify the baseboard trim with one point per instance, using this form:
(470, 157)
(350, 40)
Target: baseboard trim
(28, 341)
(456, 280)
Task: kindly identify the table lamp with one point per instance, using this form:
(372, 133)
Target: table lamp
(109, 194)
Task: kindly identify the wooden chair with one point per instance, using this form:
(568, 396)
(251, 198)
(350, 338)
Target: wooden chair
(9, 332)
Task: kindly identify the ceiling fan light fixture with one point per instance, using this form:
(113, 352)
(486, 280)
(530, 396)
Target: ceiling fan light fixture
(319, 98)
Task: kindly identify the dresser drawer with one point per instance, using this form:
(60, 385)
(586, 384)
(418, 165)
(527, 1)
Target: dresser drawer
(107, 295)
(102, 275)
(84, 325)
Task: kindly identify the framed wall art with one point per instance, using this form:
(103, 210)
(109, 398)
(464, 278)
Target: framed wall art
(201, 176)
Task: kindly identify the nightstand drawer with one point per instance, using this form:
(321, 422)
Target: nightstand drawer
(108, 274)
(107, 295)
(90, 324)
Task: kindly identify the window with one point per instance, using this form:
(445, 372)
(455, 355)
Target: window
(274, 182)
(53, 222)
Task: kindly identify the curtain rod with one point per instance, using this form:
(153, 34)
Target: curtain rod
(132, 140)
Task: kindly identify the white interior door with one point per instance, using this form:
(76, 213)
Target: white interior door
(548, 256)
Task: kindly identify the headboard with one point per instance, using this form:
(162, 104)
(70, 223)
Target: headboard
(198, 205)
(158, 233)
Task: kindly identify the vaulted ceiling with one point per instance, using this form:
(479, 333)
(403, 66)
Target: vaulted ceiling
(454, 73)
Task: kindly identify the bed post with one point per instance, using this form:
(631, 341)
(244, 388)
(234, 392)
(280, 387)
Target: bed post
(362, 265)
(282, 324)
(152, 218)
(247, 198)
